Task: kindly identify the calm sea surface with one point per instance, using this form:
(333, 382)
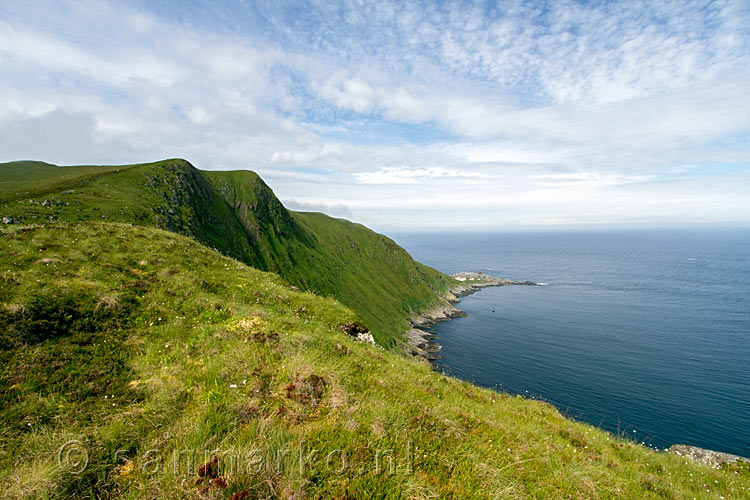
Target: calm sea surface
(641, 332)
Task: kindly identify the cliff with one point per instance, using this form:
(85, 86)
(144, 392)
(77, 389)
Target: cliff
(237, 214)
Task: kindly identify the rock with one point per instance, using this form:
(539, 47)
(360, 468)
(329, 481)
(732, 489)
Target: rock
(711, 458)
(11, 220)
(358, 331)
(422, 343)
(46, 203)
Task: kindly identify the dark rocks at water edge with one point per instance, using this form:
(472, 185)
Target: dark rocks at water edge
(711, 458)
(424, 343)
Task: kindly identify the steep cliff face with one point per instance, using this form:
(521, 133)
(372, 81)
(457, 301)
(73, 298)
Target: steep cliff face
(268, 225)
(186, 202)
(252, 200)
(239, 215)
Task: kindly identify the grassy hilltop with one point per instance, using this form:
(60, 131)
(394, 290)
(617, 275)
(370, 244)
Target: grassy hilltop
(237, 214)
(117, 337)
(138, 363)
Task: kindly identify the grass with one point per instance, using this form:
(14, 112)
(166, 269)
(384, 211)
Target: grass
(366, 271)
(237, 214)
(183, 373)
(26, 179)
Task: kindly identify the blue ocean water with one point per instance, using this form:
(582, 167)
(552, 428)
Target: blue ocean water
(642, 332)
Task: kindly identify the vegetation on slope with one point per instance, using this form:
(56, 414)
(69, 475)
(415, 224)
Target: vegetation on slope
(30, 178)
(136, 363)
(366, 271)
(237, 214)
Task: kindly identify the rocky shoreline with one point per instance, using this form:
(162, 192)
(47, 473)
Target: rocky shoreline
(423, 343)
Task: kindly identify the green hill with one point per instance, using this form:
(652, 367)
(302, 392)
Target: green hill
(20, 179)
(237, 214)
(138, 363)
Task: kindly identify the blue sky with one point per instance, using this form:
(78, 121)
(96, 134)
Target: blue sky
(402, 114)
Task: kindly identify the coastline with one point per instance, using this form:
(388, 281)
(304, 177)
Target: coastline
(423, 343)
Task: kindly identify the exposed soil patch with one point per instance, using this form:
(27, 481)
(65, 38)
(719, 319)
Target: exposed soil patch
(306, 390)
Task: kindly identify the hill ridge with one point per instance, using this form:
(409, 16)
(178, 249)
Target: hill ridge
(237, 213)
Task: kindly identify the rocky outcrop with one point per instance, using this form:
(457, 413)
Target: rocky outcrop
(711, 458)
(422, 342)
(358, 331)
(442, 312)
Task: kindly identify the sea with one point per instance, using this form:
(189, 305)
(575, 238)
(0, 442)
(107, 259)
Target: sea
(644, 333)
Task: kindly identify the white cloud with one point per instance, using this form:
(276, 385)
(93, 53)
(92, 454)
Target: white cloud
(409, 175)
(200, 115)
(425, 114)
(349, 93)
(308, 155)
(403, 106)
(334, 210)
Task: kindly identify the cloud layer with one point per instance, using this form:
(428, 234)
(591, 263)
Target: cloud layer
(418, 115)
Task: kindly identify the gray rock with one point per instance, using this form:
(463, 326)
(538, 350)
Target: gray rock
(711, 458)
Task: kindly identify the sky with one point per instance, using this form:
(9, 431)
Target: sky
(402, 115)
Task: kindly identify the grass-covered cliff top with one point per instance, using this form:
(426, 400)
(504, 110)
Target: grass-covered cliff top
(150, 354)
(237, 214)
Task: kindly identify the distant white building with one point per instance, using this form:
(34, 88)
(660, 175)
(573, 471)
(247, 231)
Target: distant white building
(460, 278)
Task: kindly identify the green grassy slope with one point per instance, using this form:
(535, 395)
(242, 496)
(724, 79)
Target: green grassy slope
(150, 354)
(31, 178)
(375, 269)
(365, 270)
(237, 214)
